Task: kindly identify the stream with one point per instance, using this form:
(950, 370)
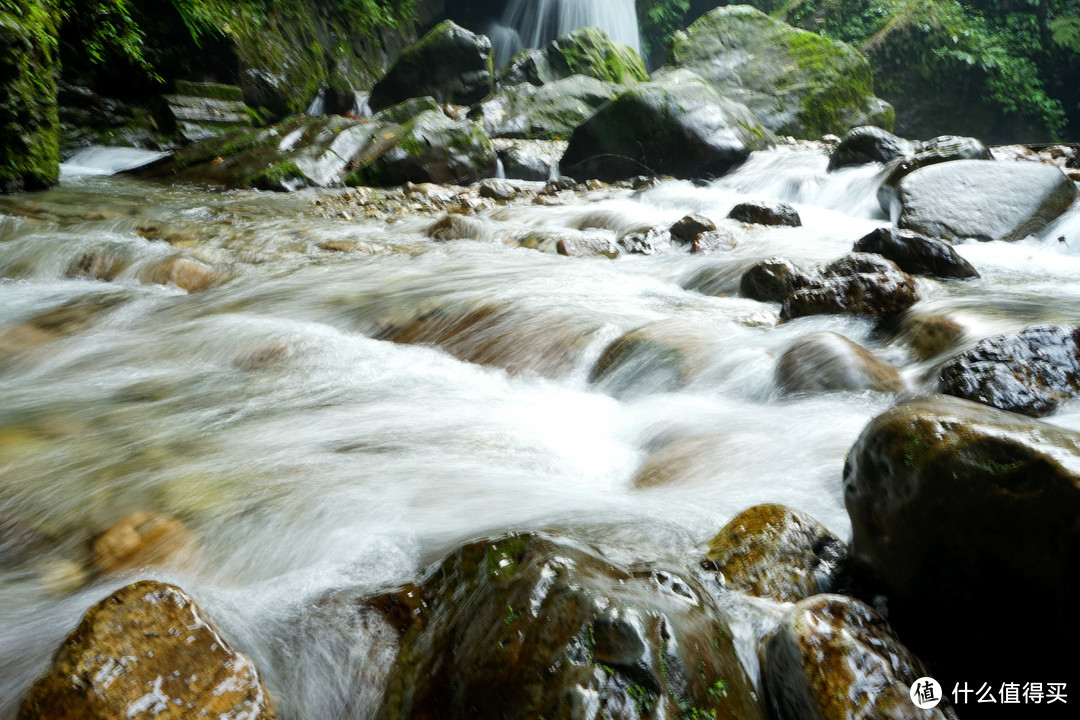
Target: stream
(307, 455)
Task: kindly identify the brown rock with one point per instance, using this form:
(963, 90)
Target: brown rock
(691, 460)
(828, 362)
(96, 266)
(144, 652)
(689, 227)
(455, 227)
(775, 552)
(190, 275)
(143, 539)
(930, 335)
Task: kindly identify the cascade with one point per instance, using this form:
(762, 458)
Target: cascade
(532, 23)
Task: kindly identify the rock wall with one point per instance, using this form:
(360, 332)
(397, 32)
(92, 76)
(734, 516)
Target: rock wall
(29, 158)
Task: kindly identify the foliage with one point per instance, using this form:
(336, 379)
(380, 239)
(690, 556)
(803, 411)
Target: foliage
(658, 23)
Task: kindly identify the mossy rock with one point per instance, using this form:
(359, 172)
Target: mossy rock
(527, 626)
(586, 51)
(675, 124)
(965, 516)
(548, 112)
(834, 657)
(449, 64)
(29, 124)
(796, 82)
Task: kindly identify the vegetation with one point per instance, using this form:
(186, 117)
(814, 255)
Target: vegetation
(1011, 68)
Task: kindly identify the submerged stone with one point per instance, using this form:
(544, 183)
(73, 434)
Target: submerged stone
(828, 362)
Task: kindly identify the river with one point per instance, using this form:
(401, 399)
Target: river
(307, 455)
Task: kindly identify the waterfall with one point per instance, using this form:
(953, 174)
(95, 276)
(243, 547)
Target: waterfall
(533, 23)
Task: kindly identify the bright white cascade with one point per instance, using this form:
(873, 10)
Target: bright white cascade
(532, 23)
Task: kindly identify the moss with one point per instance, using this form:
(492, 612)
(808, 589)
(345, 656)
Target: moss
(210, 91)
(29, 142)
(281, 175)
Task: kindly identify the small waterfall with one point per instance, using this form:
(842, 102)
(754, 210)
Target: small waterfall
(533, 23)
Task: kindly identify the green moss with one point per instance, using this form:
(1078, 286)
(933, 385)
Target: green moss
(29, 143)
(280, 175)
(210, 91)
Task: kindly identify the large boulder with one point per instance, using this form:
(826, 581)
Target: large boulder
(967, 517)
(29, 66)
(828, 362)
(982, 199)
(833, 657)
(586, 51)
(548, 112)
(692, 132)
(1031, 373)
(327, 152)
(524, 626)
(197, 111)
(775, 552)
(795, 82)
(147, 651)
(916, 254)
(945, 148)
(449, 63)
(858, 284)
(867, 144)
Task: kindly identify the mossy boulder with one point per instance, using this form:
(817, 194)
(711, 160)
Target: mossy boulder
(586, 51)
(549, 112)
(675, 124)
(147, 650)
(449, 63)
(526, 626)
(430, 148)
(29, 125)
(834, 657)
(794, 81)
(333, 151)
(1031, 373)
(775, 552)
(967, 518)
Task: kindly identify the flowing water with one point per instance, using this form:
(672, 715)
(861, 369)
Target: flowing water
(534, 23)
(307, 455)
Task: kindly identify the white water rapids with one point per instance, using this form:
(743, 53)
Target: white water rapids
(308, 456)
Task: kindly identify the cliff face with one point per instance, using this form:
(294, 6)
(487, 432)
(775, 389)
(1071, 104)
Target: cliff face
(29, 157)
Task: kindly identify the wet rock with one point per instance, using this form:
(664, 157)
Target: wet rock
(643, 242)
(450, 64)
(766, 213)
(772, 280)
(61, 576)
(694, 132)
(96, 266)
(966, 516)
(998, 201)
(548, 112)
(184, 273)
(404, 111)
(834, 657)
(498, 190)
(198, 111)
(828, 362)
(945, 148)
(429, 148)
(689, 461)
(658, 357)
(1030, 373)
(869, 144)
(930, 335)
(775, 552)
(75, 315)
(456, 227)
(858, 284)
(143, 539)
(586, 51)
(585, 246)
(529, 159)
(689, 227)
(147, 651)
(916, 254)
(713, 241)
(523, 626)
(537, 343)
(796, 82)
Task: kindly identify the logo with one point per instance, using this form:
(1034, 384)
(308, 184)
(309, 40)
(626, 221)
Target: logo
(926, 693)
